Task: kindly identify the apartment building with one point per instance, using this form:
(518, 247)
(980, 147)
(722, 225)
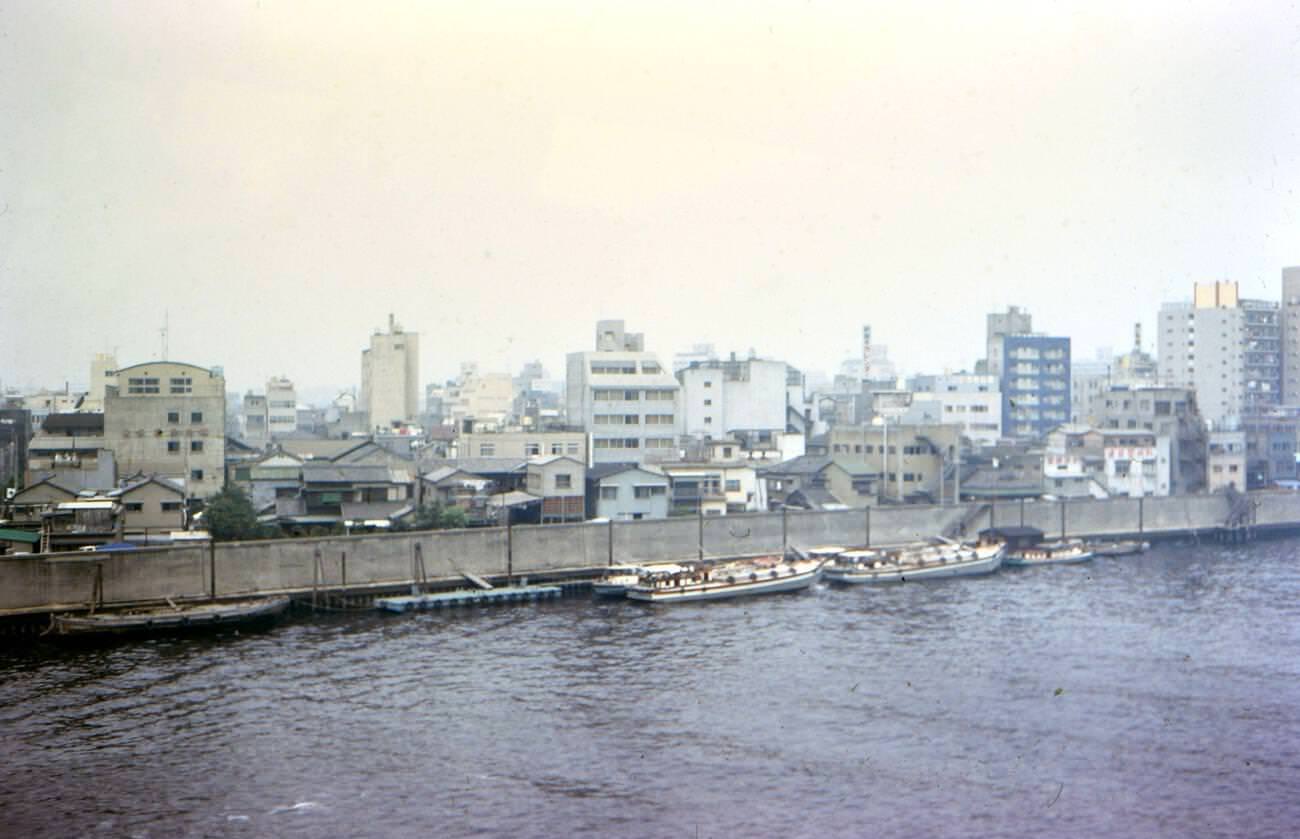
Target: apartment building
(1035, 384)
(1229, 350)
(624, 397)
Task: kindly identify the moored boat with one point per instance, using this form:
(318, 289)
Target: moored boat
(915, 562)
(1121, 548)
(726, 579)
(172, 617)
(1050, 553)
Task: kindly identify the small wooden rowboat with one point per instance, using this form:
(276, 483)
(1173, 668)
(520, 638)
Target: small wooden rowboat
(172, 618)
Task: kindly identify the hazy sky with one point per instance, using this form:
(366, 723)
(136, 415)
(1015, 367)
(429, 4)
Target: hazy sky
(279, 176)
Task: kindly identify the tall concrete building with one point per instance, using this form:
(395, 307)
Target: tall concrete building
(725, 397)
(624, 397)
(999, 325)
(103, 372)
(1290, 328)
(390, 377)
(169, 419)
(1227, 349)
(1035, 384)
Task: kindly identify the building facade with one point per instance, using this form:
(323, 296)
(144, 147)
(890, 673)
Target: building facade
(719, 398)
(1013, 321)
(970, 401)
(1229, 350)
(390, 377)
(167, 418)
(624, 397)
(1035, 384)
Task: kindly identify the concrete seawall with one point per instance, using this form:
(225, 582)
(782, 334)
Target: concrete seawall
(37, 584)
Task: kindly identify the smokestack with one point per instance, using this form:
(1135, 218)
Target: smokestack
(1137, 337)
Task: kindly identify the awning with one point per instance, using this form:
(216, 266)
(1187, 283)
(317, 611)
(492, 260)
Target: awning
(9, 535)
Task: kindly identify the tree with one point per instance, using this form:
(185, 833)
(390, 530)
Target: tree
(437, 517)
(230, 516)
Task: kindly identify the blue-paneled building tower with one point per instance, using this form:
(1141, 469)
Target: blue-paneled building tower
(1035, 384)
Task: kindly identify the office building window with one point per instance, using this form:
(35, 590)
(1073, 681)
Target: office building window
(196, 474)
(173, 446)
(196, 417)
(173, 416)
(196, 445)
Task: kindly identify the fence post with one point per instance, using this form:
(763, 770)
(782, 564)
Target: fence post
(212, 568)
(701, 536)
(610, 540)
(510, 551)
(1062, 518)
(785, 532)
(1141, 515)
(867, 525)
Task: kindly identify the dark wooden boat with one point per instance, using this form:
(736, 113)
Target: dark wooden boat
(172, 617)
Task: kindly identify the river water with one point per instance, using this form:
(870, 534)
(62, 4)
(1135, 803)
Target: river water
(1156, 695)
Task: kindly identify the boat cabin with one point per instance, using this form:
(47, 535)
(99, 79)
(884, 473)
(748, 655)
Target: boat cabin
(1016, 538)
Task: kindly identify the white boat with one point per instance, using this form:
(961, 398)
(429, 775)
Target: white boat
(722, 580)
(915, 562)
(1050, 553)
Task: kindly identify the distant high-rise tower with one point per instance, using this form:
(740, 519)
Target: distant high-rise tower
(1000, 325)
(1291, 335)
(390, 376)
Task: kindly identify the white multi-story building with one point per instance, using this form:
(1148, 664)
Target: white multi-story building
(1227, 349)
(623, 397)
(721, 398)
(390, 377)
(969, 400)
(281, 405)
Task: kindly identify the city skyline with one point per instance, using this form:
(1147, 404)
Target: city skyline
(767, 177)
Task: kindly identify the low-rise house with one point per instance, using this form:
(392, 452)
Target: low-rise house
(819, 482)
(275, 475)
(29, 503)
(626, 491)
(560, 482)
(150, 504)
(452, 486)
(326, 487)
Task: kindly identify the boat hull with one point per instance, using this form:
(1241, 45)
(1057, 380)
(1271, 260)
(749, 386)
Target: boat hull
(719, 590)
(609, 589)
(1024, 562)
(189, 618)
(906, 572)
